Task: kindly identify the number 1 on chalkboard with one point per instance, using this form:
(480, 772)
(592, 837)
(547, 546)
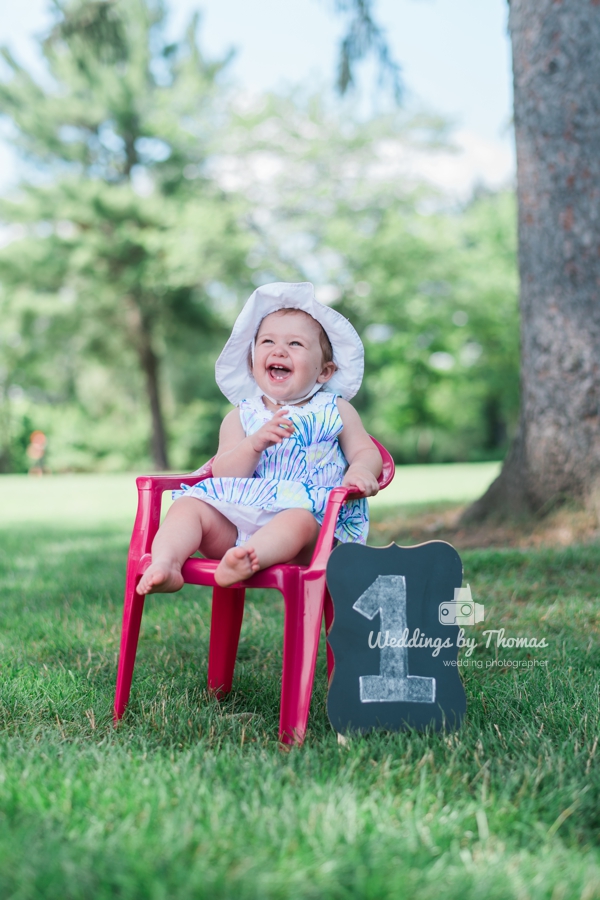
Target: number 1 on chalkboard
(387, 596)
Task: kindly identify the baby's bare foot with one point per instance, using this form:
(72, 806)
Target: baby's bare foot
(238, 564)
(161, 578)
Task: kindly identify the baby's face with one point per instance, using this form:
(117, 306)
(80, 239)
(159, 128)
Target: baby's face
(288, 360)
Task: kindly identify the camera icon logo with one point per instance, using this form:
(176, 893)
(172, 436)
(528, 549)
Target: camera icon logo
(462, 610)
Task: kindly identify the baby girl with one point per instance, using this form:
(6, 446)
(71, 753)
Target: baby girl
(289, 367)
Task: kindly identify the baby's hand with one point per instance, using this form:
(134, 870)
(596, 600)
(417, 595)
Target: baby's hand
(362, 479)
(272, 432)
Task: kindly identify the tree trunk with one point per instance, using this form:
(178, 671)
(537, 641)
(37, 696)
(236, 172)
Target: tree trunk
(141, 333)
(556, 68)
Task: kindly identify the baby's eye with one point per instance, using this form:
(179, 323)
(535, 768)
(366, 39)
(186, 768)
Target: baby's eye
(297, 343)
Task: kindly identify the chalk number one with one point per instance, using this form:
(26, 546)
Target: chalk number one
(387, 596)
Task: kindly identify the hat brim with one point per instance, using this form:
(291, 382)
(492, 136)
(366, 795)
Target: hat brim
(232, 372)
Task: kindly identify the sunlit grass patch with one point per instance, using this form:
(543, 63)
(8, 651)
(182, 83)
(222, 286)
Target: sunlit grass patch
(192, 798)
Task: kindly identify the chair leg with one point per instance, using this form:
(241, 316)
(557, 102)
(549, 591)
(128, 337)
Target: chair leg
(328, 624)
(132, 618)
(225, 627)
(303, 616)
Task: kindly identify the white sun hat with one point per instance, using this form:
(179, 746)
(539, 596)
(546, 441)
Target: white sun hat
(232, 372)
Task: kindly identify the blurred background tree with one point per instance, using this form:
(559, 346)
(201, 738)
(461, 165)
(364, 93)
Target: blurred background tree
(555, 455)
(161, 197)
(123, 232)
(435, 296)
(430, 287)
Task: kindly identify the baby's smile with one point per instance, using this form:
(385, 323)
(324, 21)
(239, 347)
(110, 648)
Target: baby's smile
(278, 372)
(288, 358)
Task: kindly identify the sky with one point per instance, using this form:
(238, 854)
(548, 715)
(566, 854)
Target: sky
(454, 54)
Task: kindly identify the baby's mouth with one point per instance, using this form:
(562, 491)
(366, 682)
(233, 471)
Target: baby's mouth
(278, 373)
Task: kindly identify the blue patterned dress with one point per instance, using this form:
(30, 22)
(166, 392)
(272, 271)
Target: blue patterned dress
(298, 473)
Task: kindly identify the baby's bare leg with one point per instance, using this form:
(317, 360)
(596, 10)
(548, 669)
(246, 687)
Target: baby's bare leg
(289, 536)
(189, 525)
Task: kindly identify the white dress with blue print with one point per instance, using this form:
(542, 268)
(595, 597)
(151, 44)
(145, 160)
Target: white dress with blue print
(298, 473)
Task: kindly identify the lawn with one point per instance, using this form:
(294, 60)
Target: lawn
(190, 798)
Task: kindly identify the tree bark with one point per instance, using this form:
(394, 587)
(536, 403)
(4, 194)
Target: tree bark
(142, 336)
(556, 69)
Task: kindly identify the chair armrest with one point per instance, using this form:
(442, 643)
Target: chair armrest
(334, 502)
(388, 469)
(150, 490)
(162, 483)
(325, 540)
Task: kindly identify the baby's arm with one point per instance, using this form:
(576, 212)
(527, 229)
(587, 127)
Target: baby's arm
(238, 455)
(365, 463)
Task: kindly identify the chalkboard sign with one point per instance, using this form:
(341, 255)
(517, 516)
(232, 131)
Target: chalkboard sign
(395, 653)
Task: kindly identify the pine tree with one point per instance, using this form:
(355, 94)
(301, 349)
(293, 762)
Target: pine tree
(123, 226)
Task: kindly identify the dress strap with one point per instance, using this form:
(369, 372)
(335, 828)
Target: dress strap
(253, 414)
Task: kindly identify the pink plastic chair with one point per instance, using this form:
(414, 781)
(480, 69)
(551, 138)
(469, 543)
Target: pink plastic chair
(303, 588)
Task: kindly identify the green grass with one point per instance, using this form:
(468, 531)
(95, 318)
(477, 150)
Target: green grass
(68, 500)
(448, 482)
(190, 798)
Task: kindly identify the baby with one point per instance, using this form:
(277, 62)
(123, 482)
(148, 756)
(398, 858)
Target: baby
(290, 367)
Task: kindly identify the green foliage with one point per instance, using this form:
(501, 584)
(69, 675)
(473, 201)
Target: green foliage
(435, 298)
(160, 198)
(118, 245)
(432, 291)
(364, 37)
(193, 798)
